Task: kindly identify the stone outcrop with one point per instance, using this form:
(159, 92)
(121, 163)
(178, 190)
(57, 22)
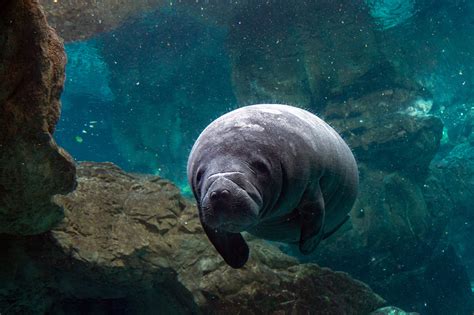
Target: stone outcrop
(85, 19)
(303, 55)
(32, 167)
(389, 130)
(131, 243)
(78, 20)
(451, 186)
(390, 310)
(300, 55)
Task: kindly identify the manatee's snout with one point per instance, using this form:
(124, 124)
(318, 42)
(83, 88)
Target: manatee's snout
(219, 195)
(228, 206)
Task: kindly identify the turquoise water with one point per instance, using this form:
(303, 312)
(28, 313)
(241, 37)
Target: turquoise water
(140, 94)
(166, 67)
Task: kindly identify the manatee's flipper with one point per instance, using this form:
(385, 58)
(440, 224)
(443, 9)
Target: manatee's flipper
(327, 234)
(312, 215)
(231, 246)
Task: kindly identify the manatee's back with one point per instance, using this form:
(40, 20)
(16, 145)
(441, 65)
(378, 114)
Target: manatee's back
(331, 158)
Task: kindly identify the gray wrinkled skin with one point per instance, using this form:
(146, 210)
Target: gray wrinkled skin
(271, 158)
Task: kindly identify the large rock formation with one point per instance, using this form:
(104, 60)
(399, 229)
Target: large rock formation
(32, 167)
(390, 310)
(451, 186)
(130, 243)
(76, 20)
(81, 20)
(389, 129)
(304, 54)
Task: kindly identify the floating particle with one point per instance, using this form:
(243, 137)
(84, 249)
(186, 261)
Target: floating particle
(78, 139)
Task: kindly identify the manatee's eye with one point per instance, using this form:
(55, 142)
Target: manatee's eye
(199, 176)
(259, 166)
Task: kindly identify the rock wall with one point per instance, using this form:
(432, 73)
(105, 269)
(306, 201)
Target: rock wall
(305, 54)
(78, 20)
(32, 167)
(85, 19)
(451, 186)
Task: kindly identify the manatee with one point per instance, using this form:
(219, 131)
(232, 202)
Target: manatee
(276, 171)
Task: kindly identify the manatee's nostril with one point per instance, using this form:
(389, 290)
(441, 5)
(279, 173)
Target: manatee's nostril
(213, 195)
(219, 194)
(225, 193)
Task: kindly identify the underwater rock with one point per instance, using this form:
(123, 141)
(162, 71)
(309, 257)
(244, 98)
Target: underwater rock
(32, 167)
(79, 20)
(455, 173)
(134, 238)
(84, 19)
(434, 48)
(450, 189)
(440, 286)
(385, 131)
(280, 53)
(302, 55)
(23, 288)
(447, 286)
(391, 310)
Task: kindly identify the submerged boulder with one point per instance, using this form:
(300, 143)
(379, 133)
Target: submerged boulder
(389, 129)
(391, 310)
(32, 167)
(137, 231)
(85, 19)
(450, 187)
(303, 55)
(131, 244)
(78, 20)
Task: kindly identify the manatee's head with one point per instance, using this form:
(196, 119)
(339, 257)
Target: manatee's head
(232, 191)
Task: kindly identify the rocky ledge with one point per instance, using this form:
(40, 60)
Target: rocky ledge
(132, 244)
(32, 167)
